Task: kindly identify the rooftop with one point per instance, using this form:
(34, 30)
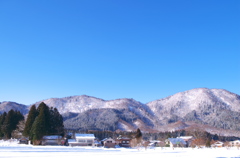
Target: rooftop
(78, 135)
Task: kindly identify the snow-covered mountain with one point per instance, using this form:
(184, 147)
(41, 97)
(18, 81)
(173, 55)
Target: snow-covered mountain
(213, 107)
(79, 104)
(7, 106)
(216, 107)
(124, 114)
(182, 103)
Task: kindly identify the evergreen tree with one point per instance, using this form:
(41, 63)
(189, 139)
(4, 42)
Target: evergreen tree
(35, 133)
(41, 125)
(138, 136)
(30, 120)
(2, 119)
(208, 143)
(215, 137)
(7, 125)
(56, 123)
(39, 128)
(10, 123)
(18, 117)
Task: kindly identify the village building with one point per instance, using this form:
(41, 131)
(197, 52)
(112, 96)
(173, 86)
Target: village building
(97, 143)
(154, 143)
(52, 140)
(82, 140)
(175, 142)
(235, 143)
(23, 140)
(217, 144)
(123, 142)
(187, 139)
(109, 143)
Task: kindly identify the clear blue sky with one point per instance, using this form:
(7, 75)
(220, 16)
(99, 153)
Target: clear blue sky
(145, 50)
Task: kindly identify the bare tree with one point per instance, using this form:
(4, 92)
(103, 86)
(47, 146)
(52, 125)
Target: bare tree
(199, 142)
(19, 130)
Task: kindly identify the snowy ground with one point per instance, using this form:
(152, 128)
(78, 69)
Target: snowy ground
(13, 150)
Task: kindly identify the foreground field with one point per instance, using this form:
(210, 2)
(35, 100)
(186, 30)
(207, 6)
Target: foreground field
(29, 151)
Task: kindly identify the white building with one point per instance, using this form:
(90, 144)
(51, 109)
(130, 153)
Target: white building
(235, 143)
(187, 139)
(82, 140)
(218, 144)
(176, 142)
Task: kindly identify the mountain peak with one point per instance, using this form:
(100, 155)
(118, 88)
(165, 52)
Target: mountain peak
(8, 105)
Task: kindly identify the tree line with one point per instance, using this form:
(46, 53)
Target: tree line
(41, 121)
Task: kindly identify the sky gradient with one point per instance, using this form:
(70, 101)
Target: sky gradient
(110, 49)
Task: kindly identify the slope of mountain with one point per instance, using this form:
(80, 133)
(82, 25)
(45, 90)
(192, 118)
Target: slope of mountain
(108, 119)
(215, 107)
(7, 106)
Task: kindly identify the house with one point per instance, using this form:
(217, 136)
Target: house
(109, 143)
(154, 143)
(82, 140)
(97, 143)
(123, 142)
(52, 140)
(176, 142)
(217, 144)
(187, 139)
(235, 143)
(23, 140)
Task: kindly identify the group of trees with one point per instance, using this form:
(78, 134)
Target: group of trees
(40, 121)
(9, 123)
(43, 121)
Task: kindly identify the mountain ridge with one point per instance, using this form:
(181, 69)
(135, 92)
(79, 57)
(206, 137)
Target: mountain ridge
(218, 108)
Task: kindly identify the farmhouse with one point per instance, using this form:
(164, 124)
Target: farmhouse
(235, 143)
(123, 141)
(176, 142)
(218, 144)
(187, 139)
(82, 140)
(108, 143)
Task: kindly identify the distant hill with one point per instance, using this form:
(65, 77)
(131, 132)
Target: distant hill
(7, 106)
(215, 107)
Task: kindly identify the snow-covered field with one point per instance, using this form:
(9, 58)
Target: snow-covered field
(13, 150)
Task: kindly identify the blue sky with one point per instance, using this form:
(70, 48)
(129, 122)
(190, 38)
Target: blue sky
(111, 49)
